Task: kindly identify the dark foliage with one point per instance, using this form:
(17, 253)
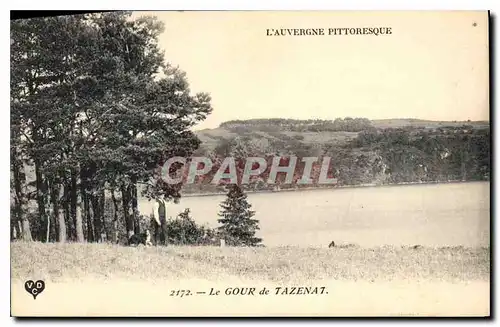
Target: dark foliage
(237, 225)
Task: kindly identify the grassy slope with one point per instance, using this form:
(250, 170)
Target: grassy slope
(59, 262)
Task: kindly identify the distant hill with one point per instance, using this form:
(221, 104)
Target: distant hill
(384, 151)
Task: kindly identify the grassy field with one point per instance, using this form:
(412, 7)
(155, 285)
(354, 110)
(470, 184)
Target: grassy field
(60, 262)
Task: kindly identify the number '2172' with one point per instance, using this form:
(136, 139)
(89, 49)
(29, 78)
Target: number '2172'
(180, 293)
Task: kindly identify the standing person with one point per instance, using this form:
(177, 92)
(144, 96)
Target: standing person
(160, 220)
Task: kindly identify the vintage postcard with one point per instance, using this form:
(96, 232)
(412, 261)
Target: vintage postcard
(250, 163)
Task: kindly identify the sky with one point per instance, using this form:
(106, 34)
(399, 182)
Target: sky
(433, 66)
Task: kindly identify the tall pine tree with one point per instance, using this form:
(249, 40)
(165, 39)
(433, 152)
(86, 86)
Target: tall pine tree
(238, 228)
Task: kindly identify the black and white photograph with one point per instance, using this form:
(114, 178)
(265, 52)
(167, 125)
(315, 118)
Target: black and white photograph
(250, 164)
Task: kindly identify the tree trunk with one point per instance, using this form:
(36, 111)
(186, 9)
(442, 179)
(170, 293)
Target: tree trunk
(62, 232)
(14, 234)
(80, 237)
(47, 238)
(81, 207)
(53, 205)
(102, 208)
(21, 223)
(129, 222)
(19, 228)
(59, 211)
(68, 218)
(89, 214)
(26, 230)
(41, 194)
(97, 201)
(20, 199)
(73, 196)
(94, 201)
(135, 210)
(115, 217)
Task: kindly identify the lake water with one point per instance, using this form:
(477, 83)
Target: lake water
(432, 215)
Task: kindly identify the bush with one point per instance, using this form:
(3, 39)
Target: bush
(183, 230)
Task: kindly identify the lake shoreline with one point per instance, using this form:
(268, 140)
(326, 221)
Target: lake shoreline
(359, 186)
